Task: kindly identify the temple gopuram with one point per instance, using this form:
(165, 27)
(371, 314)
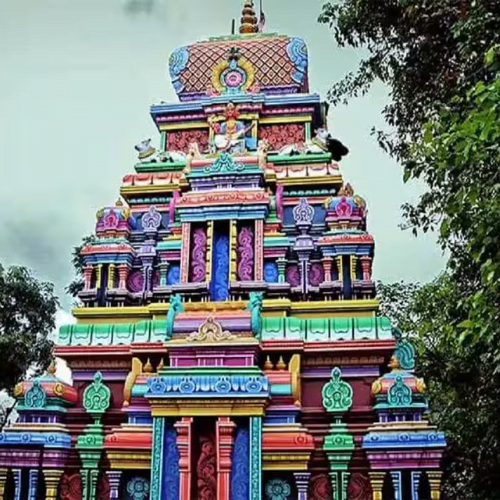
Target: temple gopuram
(227, 344)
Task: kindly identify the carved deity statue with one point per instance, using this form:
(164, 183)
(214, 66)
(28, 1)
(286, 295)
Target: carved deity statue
(230, 135)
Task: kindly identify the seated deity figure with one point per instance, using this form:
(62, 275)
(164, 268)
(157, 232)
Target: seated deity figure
(230, 135)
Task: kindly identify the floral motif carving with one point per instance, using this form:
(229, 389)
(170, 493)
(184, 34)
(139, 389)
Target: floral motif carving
(206, 470)
(210, 331)
(280, 136)
(199, 255)
(359, 487)
(97, 396)
(181, 139)
(71, 487)
(245, 254)
(278, 489)
(337, 394)
(35, 397)
(399, 394)
(320, 488)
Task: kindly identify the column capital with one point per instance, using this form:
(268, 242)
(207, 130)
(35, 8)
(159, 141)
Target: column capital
(51, 477)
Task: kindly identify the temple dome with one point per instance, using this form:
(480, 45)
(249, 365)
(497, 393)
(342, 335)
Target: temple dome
(245, 63)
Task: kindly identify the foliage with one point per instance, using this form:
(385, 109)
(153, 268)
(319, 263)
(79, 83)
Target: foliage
(462, 383)
(426, 51)
(27, 317)
(77, 284)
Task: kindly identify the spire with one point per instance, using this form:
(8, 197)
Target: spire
(248, 18)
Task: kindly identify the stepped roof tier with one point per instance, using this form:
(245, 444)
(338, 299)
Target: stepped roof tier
(228, 332)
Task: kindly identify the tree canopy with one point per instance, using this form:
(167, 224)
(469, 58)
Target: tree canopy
(440, 62)
(27, 317)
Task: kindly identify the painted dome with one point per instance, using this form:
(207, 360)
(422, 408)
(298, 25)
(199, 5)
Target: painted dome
(245, 63)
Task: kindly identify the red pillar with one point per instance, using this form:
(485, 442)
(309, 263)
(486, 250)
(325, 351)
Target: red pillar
(184, 430)
(225, 440)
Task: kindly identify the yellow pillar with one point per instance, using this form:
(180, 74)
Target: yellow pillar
(3, 480)
(435, 484)
(52, 477)
(377, 482)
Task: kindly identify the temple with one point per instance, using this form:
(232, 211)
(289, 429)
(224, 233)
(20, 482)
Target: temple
(227, 344)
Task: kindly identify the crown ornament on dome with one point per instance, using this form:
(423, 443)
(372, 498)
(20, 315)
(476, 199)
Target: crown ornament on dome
(248, 19)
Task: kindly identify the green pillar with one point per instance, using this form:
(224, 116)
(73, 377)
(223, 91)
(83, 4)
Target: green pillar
(90, 444)
(255, 458)
(339, 443)
(157, 458)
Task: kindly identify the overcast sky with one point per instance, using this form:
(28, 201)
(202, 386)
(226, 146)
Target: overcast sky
(77, 78)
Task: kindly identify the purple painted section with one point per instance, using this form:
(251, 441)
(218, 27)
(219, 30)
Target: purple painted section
(292, 275)
(316, 274)
(199, 255)
(234, 325)
(135, 281)
(245, 254)
(401, 459)
(347, 372)
(179, 358)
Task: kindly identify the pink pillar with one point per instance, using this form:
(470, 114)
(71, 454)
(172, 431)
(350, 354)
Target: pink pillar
(259, 250)
(366, 266)
(87, 276)
(225, 440)
(185, 250)
(327, 266)
(184, 428)
(122, 275)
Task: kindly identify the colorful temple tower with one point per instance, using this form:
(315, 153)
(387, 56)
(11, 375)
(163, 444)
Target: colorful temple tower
(228, 345)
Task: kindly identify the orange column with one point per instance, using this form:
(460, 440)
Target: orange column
(184, 428)
(225, 440)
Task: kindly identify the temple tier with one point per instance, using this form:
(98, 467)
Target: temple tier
(228, 335)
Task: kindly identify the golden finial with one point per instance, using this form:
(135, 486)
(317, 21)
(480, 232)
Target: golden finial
(52, 368)
(281, 365)
(148, 367)
(248, 19)
(268, 365)
(119, 203)
(160, 366)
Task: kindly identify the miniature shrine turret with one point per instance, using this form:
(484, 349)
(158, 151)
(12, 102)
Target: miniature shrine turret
(228, 332)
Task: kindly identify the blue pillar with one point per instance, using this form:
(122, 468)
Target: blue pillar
(157, 458)
(255, 458)
(17, 483)
(396, 481)
(415, 483)
(33, 484)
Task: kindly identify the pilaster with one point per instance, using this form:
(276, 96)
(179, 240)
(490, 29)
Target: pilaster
(302, 483)
(327, 266)
(396, 482)
(184, 430)
(185, 251)
(33, 484)
(259, 250)
(51, 477)
(377, 482)
(123, 275)
(16, 473)
(281, 263)
(255, 458)
(435, 484)
(225, 440)
(157, 458)
(114, 477)
(3, 480)
(415, 483)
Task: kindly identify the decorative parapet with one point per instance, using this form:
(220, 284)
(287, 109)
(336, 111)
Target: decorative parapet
(202, 383)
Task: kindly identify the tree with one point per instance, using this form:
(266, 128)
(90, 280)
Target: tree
(425, 51)
(76, 286)
(27, 317)
(462, 382)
